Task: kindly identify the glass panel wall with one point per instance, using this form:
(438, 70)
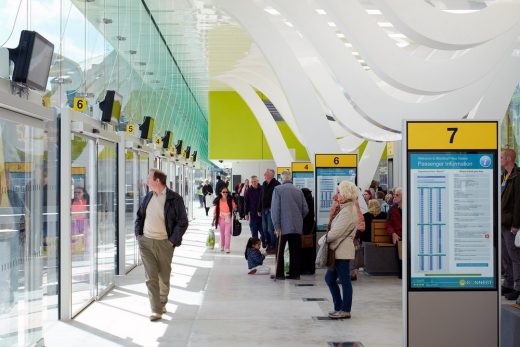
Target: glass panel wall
(106, 215)
(29, 233)
(83, 226)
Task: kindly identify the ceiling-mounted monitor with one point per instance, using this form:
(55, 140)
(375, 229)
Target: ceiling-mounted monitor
(32, 60)
(194, 156)
(111, 107)
(147, 128)
(188, 150)
(167, 140)
(178, 147)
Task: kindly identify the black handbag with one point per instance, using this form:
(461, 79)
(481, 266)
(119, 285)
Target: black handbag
(237, 226)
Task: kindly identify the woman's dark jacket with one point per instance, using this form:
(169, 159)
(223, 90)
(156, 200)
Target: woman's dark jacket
(308, 221)
(175, 216)
(510, 199)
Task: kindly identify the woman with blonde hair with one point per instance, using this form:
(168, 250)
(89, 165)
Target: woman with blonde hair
(340, 241)
(374, 212)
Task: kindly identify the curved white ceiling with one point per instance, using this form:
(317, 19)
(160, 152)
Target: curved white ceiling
(443, 30)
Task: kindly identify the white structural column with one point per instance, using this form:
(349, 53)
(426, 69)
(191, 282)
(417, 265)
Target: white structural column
(369, 162)
(316, 134)
(274, 138)
(427, 25)
(273, 91)
(407, 71)
(349, 143)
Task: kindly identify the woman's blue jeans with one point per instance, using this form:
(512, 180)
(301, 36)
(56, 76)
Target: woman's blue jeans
(341, 271)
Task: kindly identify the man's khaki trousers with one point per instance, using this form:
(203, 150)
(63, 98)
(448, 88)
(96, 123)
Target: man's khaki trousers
(157, 259)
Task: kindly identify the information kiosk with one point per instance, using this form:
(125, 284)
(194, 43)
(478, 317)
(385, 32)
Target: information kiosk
(303, 174)
(450, 227)
(330, 170)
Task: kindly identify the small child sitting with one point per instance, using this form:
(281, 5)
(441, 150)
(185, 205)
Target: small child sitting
(254, 258)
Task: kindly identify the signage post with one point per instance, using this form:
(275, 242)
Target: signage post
(450, 227)
(330, 170)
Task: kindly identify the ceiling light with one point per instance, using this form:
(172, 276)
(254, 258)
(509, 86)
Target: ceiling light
(289, 24)
(321, 11)
(402, 44)
(385, 24)
(331, 24)
(340, 35)
(355, 53)
(397, 36)
(272, 11)
(361, 61)
(348, 44)
(375, 12)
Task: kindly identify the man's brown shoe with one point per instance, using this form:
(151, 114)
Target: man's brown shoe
(155, 317)
(164, 309)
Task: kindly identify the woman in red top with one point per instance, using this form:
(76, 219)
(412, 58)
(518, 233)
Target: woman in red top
(222, 217)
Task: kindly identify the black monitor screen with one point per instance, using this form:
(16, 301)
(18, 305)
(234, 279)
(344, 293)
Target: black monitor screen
(40, 63)
(111, 107)
(32, 60)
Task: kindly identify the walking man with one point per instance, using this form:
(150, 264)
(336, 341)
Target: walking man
(161, 222)
(264, 209)
(288, 208)
(252, 198)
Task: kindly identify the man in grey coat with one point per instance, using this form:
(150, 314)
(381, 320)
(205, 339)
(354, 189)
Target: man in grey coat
(288, 208)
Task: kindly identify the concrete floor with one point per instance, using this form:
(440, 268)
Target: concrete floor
(213, 302)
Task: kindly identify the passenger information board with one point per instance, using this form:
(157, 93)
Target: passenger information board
(303, 175)
(452, 204)
(330, 170)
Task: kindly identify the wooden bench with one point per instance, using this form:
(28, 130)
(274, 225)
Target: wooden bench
(380, 254)
(379, 235)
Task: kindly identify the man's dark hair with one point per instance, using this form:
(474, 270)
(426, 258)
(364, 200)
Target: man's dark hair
(218, 177)
(159, 175)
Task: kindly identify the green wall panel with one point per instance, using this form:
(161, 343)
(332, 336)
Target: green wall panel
(234, 132)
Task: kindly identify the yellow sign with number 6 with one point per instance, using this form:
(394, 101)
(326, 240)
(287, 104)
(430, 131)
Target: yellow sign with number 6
(80, 104)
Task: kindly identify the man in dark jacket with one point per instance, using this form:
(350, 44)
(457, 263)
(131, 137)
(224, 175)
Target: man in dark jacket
(264, 209)
(510, 198)
(161, 222)
(219, 185)
(251, 200)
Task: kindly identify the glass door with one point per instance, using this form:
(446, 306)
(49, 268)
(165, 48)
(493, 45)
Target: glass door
(106, 209)
(83, 226)
(131, 207)
(179, 174)
(188, 191)
(28, 231)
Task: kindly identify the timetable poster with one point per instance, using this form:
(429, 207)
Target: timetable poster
(326, 181)
(451, 220)
(303, 180)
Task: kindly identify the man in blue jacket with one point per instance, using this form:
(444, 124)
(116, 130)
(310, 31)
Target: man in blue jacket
(161, 222)
(288, 208)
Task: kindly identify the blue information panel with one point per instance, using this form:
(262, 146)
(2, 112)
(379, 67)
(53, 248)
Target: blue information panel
(451, 220)
(303, 179)
(326, 182)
